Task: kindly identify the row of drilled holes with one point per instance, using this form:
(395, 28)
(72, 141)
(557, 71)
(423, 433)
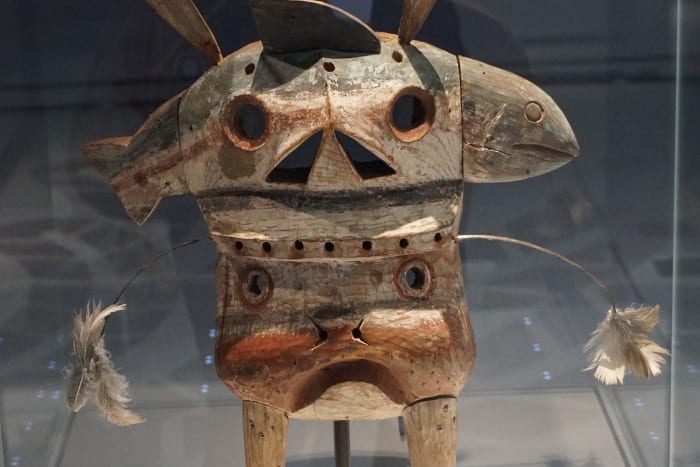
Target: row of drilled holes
(330, 246)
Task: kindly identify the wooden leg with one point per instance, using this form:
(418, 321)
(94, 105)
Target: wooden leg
(431, 429)
(264, 435)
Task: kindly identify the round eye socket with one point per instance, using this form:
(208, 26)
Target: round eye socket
(247, 122)
(255, 287)
(534, 112)
(414, 279)
(412, 114)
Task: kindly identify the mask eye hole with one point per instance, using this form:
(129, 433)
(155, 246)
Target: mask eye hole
(255, 287)
(414, 279)
(534, 112)
(412, 114)
(247, 123)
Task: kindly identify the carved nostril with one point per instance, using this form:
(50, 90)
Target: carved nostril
(322, 334)
(357, 333)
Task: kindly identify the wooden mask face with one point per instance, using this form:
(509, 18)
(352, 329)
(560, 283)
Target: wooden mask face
(329, 164)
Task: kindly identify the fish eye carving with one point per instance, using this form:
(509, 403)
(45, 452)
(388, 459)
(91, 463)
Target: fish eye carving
(534, 112)
(412, 113)
(246, 122)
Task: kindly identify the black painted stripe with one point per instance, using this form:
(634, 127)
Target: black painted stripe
(343, 200)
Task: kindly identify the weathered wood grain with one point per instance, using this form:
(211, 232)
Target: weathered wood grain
(340, 292)
(354, 99)
(367, 402)
(413, 16)
(332, 167)
(512, 129)
(301, 25)
(264, 435)
(332, 322)
(431, 430)
(146, 167)
(415, 213)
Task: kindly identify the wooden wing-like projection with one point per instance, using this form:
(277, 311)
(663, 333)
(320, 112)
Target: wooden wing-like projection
(301, 25)
(185, 18)
(413, 16)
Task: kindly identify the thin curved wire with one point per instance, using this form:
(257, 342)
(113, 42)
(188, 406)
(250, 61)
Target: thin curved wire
(547, 251)
(148, 265)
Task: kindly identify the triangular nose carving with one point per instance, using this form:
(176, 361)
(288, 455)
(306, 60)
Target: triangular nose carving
(329, 160)
(332, 168)
(296, 167)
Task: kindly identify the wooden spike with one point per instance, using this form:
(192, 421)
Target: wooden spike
(413, 16)
(186, 19)
(292, 26)
(431, 428)
(264, 435)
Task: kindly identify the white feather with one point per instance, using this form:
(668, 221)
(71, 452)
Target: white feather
(621, 343)
(91, 372)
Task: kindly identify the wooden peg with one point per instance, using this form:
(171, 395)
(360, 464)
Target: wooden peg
(431, 428)
(264, 435)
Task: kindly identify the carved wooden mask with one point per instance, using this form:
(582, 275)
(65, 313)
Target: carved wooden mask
(329, 161)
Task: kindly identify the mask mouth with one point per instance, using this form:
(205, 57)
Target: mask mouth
(359, 370)
(545, 152)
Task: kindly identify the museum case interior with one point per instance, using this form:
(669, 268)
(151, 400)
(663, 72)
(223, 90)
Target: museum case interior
(627, 209)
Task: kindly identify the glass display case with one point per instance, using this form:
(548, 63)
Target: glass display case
(626, 75)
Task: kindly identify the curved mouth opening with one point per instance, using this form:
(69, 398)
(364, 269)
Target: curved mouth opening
(544, 152)
(364, 371)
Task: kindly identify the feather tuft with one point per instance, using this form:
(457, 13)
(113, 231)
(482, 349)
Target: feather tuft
(621, 343)
(91, 371)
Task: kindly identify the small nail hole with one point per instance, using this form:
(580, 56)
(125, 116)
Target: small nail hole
(397, 56)
(328, 66)
(403, 243)
(238, 245)
(438, 237)
(250, 68)
(367, 245)
(329, 246)
(267, 247)
(356, 333)
(299, 245)
(322, 334)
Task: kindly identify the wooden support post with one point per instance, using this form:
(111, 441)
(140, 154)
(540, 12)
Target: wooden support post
(264, 435)
(431, 428)
(341, 438)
